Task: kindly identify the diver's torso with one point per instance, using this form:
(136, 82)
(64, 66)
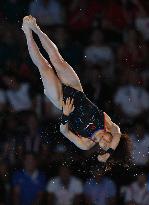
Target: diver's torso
(86, 117)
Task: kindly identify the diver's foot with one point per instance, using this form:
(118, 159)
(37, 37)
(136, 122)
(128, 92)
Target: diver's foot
(32, 24)
(25, 26)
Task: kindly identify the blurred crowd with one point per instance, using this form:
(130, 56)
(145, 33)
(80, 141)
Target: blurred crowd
(107, 44)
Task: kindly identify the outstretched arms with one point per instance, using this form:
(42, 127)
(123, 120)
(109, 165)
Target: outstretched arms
(81, 142)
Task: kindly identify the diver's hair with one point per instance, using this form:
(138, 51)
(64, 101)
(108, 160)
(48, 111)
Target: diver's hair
(122, 154)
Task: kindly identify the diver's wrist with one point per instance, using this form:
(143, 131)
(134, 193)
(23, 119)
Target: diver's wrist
(64, 119)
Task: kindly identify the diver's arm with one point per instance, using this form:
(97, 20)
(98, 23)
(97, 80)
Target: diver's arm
(116, 133)
(114, 130)
(81, 142)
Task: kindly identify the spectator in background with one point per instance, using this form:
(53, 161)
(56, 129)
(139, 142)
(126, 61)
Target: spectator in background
(137, 192)
(117, 15)
(83, 14)
(9, 128)
(98, 52)
(17, 94)
(25, 69)
(45, 158)
(4, 184)
(19, 155)
(142, 19)
(8, 136)
(70, 49)
(100, 190)
(131, 100)
(2, 13)
(48, 12)
(8, 152)
(61, 150)
(9, 46)
(132, 54)
(142, 24)
(32, 140)
(28, 185)
(3, 105)
(92, 82)
(64, 188)
(140, 142)
(11, 14)
(14, 10)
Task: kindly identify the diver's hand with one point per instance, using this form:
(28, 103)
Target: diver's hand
(68, 107)
(115, 129)
(103, 158)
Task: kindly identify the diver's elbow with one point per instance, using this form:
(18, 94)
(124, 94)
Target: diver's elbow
(84, 147)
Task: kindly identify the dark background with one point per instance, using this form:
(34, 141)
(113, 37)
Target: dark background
(107, 44)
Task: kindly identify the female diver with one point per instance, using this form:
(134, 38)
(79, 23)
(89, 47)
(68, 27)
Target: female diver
(81, 122)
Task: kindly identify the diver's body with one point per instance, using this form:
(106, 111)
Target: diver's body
(86, 125)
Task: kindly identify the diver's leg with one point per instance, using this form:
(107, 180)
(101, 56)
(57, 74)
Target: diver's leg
(64, 71)
(51, 83)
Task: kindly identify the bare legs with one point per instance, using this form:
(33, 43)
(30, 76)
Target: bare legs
(52, 85)
(64, 71)
(65, 74)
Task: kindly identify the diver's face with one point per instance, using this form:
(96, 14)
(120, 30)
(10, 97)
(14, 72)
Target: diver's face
(104, 139)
